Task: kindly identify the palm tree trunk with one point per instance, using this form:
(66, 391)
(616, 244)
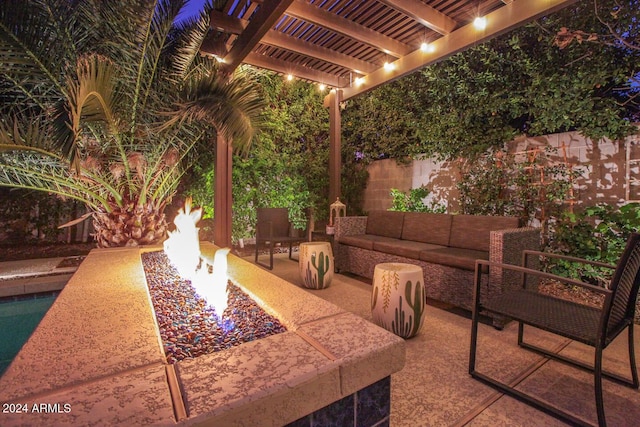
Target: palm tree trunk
(132, 225)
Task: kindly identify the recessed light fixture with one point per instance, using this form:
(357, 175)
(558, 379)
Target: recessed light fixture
(427, 47)
(389, 66)
(480, 23)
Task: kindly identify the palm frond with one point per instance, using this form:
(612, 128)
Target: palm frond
(152, 39)
(92, 91)
(91, 99)
(187, 38)
(28, 30)
(234, 108)
(25, 133)
(37, 171)
(170, 172)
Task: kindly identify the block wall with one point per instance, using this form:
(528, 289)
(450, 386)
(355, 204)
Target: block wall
(605, 171)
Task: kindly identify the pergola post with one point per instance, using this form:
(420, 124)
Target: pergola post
(335, 145)
(222, 199)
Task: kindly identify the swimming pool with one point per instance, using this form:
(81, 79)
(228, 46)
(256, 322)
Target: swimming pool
(18, 319)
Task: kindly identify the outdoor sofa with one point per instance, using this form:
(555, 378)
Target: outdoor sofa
(445, 246)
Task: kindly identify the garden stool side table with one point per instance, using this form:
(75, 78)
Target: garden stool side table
(398, 298)
(316, 264)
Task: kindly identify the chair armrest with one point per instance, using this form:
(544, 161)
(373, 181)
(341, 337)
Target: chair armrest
(530, 271)
(565, 257)
(350, 225)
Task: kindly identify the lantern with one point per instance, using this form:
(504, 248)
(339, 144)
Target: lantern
(337, 209)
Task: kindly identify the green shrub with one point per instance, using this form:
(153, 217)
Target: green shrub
(598, 233)
(537, 189)
(413, 201)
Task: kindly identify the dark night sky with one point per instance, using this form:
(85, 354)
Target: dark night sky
(192, 8)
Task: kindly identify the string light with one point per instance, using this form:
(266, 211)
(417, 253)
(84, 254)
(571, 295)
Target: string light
(389, 66)
(359, 81)
(289, 77)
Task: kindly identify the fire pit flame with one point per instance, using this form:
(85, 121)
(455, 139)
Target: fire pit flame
(183, 250)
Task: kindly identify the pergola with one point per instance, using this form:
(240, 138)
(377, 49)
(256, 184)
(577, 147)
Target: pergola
(350, 46)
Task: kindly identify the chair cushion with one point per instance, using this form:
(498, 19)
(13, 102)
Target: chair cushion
(364, 241)
(474, 231)
(454, 257)
(403, 248)
(385, 223)
(427, 227)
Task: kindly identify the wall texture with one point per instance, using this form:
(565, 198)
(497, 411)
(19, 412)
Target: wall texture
(607, 171)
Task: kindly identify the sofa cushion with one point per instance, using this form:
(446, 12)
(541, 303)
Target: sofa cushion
(403, 248)
(474, 231)
(364, 241)
(454, 257)
(427, 227)
(385, 223)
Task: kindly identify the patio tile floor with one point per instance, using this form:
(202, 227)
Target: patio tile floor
(435, 389)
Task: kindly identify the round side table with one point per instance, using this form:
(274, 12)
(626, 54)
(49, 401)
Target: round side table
(316, 264)
(398, 298)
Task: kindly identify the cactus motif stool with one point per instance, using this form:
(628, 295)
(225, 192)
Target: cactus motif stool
(316, 264)
(398, 298)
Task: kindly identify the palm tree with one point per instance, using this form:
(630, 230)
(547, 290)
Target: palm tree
(104, 102)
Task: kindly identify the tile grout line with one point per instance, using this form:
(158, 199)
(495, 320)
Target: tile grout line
(175, 390)
(496, 395)
(315, 344)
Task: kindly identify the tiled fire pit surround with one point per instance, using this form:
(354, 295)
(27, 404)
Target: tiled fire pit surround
(96, 358)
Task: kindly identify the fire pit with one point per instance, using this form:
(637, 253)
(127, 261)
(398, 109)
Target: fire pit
(97, 356)
(99, 350)
(189, 326)
(198, 310)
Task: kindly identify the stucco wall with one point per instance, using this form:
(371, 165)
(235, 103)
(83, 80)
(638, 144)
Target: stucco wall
(603, 168)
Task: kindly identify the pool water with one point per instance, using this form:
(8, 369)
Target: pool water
(18, 320)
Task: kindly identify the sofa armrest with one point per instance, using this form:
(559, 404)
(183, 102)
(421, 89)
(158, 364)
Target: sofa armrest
(350, 225)
(507, 247)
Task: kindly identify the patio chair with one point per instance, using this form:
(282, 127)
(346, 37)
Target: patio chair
(273, 227)
(595, 327)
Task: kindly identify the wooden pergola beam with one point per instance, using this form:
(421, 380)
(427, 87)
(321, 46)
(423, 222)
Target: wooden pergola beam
(283, 67)
(265, 18)
(424, 14)
(318, 16)
(232, 25)
(275, 38)
(500, 21)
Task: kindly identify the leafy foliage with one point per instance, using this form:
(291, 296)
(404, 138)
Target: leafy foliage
(413, 201)
(354, 181)
(103, 103)
(380, 124)
(536, 189)
(286, 166)
(616, 29)
(521, 82)
(598, 233)
(29, 216)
